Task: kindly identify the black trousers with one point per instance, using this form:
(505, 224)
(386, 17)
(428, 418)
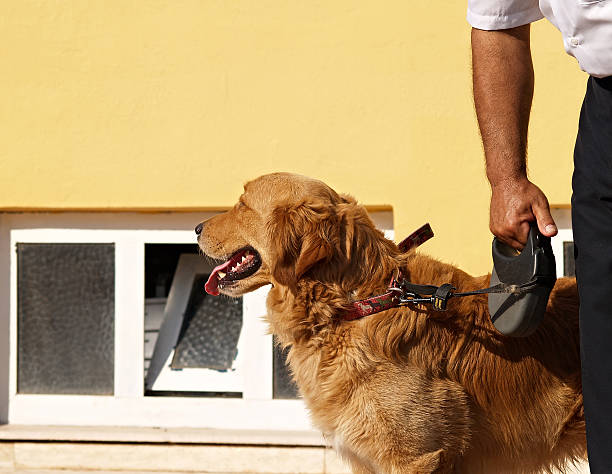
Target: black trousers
(592, 225)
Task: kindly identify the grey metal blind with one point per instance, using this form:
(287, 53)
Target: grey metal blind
(65, 318)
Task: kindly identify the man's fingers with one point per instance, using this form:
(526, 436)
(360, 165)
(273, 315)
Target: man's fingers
(515, 244)
(515, 236)
(511, 241)
(520, 235)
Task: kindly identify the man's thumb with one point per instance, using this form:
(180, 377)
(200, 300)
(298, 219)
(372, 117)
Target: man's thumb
(546, 224)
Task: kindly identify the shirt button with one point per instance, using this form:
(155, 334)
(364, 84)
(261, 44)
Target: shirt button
(574, 41)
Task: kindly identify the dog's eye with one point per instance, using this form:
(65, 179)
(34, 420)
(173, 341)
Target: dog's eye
(241, 204)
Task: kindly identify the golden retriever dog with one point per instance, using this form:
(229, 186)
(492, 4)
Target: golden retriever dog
(407, 390)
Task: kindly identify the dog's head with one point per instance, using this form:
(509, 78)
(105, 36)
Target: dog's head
(283, 227)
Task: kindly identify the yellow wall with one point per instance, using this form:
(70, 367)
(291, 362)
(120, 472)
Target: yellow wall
(166, 104)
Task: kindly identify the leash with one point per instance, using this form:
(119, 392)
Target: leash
(438, 296)
(402, 292)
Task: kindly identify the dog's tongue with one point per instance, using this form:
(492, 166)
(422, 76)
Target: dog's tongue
(212, 285)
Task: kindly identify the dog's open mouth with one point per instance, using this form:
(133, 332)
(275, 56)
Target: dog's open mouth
(243, 263)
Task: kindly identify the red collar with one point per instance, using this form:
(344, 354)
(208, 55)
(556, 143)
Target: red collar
(378, 303)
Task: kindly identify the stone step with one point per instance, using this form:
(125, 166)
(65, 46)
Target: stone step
(118, 458)
(127, 457)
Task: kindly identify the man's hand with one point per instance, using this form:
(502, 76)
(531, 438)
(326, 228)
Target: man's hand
(514, 204)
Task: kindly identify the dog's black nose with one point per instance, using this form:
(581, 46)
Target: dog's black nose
(198, 229)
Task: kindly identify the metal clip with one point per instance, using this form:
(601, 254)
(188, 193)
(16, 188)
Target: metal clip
(404, 298)
(411, 298)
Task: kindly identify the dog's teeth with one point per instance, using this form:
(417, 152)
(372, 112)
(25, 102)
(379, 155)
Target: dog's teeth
(221, 275)
(243, 258)
(233, 269)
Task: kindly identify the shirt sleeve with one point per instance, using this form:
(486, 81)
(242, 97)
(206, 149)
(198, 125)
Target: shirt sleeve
(502, 14)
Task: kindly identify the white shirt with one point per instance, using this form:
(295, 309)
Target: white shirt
(586, 25)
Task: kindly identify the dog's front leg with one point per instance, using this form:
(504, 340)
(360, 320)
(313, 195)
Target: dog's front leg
(360, 468)
(358, 465)
(429, 463)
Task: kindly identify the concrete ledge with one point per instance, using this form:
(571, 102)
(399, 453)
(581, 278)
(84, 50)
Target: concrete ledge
(158, 435)
(167, 450)
(48, 456)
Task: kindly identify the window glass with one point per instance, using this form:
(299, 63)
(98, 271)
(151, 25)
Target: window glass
(65, 318)
(283, 385)
(569, 264)
(210, 331)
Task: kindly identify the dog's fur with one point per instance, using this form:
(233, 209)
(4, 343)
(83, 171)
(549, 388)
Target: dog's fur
(407, 390)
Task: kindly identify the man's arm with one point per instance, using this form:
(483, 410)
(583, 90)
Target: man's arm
(503, 90)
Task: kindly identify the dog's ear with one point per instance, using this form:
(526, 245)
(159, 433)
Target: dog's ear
(302, 236)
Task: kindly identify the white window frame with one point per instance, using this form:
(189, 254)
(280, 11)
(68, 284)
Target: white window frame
(256, 410)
